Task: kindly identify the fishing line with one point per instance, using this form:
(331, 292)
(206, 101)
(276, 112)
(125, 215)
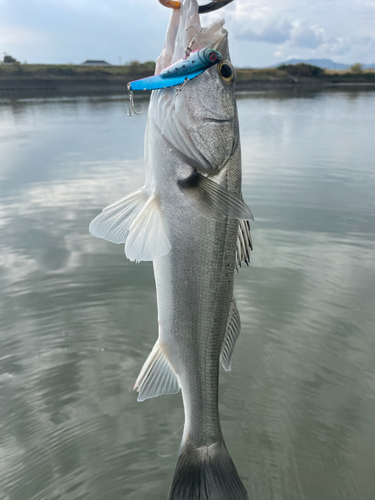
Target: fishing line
(166, 118)
(234, 33)
(179, 89)
(162, 449)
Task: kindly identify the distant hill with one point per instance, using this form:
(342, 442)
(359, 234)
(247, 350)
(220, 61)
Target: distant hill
(323, 63)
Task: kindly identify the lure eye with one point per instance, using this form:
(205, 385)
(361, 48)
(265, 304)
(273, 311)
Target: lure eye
(227, 72)
(213, 56)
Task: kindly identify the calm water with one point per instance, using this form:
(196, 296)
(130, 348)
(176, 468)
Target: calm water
(78, 319)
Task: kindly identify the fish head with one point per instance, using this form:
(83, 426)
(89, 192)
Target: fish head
(203, 116)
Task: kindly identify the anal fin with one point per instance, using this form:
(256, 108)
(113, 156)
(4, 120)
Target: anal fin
(157, 376)
(231, 335)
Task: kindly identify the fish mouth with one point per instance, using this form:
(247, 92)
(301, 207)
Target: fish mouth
(184, 31)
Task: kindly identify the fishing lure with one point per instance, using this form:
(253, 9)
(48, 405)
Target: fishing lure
(177, 74)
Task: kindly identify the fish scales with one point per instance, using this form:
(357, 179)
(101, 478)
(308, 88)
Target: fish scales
(186, 220)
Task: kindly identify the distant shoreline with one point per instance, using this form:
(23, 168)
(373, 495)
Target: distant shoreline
(9, 89)
(58, 79)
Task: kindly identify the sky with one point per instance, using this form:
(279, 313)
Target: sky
(261, 32)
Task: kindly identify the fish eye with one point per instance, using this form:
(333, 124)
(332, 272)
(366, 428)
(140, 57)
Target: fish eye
(227, 72)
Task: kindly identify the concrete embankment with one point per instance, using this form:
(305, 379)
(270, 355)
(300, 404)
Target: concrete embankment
(12, 86)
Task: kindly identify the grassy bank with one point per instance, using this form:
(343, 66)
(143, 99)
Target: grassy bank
(58, 77)
(304, 74)
(70, 71)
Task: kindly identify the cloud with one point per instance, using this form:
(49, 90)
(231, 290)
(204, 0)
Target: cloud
(273, 32)
(369, 4)
(282, 31)
(303, 35)
(13, 35)
(63, 31)
(307, 39)
(349, 48)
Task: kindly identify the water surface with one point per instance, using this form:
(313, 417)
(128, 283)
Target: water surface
(78, 319)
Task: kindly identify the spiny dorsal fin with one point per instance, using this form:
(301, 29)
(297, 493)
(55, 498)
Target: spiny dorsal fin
(135, 220)
(213, 197)
(231, 335)
(244, 243)
(156, 377)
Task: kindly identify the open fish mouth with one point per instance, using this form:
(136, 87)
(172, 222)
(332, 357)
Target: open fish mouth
(186, 33)
(203, 9)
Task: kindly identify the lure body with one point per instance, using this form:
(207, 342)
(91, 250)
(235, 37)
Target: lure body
(197, 62)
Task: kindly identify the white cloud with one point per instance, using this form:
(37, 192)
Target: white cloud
(275, 32)
(13, 35)
(282, 31)
(303, 35)
(73, 30)
(366, 3)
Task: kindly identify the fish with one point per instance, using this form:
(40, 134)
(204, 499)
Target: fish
(191, 221)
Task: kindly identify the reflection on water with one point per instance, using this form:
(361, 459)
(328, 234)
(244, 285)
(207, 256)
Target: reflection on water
(78, 319)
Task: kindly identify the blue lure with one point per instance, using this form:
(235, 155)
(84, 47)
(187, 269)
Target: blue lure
(179, 72)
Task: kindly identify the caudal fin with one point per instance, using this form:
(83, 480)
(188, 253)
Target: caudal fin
(206, 473)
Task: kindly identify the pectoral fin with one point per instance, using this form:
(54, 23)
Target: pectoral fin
(213, 197)
(114, 222)
(147, 238)
(135, 220)
(231, 335)
(156, 377)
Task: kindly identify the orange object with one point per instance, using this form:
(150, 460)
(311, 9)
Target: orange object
(172, 4)
(213, 5)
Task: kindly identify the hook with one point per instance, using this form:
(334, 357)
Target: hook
(188, 49)
(132, 110)
(180, 87)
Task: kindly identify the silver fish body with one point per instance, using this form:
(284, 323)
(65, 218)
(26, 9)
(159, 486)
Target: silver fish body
(189, 218)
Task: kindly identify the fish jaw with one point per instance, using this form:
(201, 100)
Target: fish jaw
(183, 27)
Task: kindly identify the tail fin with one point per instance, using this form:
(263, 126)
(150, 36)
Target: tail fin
(206, 473)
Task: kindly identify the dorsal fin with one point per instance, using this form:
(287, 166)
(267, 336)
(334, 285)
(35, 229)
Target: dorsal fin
(231, 335)
(244, 243)
(157, 376)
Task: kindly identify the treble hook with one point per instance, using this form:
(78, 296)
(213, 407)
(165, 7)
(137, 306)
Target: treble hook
(180, 87)
(188, 49)
(132, 110)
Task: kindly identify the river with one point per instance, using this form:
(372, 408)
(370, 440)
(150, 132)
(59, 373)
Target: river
(78, 319)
